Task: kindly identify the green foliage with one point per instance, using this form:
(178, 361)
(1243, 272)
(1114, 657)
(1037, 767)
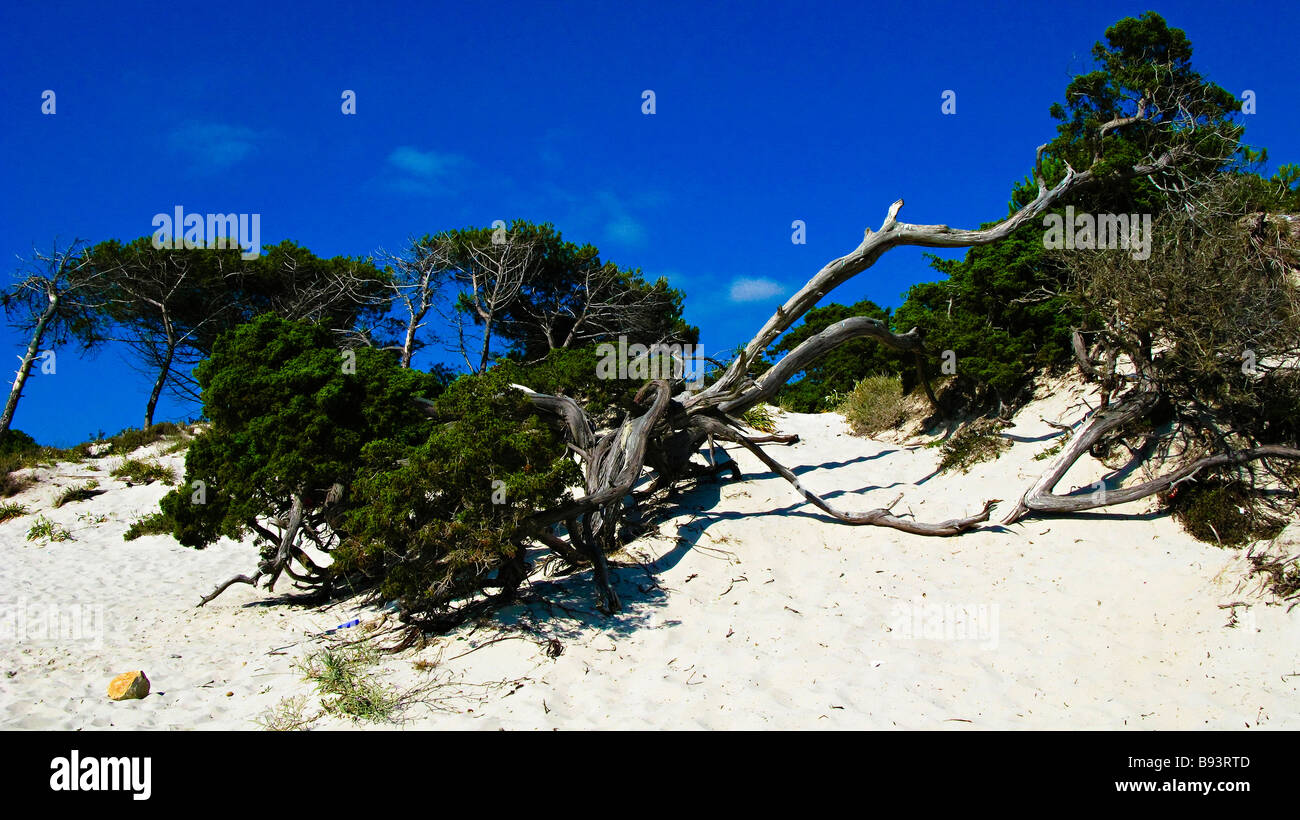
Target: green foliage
(137, 471)
(573, 373)
(436, 523)
(875, 404)
(1222, 510)
(761, 418)
(1003, 309)
(15, 442)
(132, 439)
(11, 511)
(1001, 312)
(347, 687)
(1143, 58)
(46, 530)
(976, 443)
(156, 523)
(287, 419)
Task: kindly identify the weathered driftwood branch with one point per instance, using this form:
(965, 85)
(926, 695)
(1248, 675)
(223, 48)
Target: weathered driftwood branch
(880, 517)
(1040, 497)
(812, 349)
(891, 234)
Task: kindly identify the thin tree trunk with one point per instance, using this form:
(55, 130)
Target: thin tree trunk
(487, 341)
(29, 358)
(408, 345)
(164, 371)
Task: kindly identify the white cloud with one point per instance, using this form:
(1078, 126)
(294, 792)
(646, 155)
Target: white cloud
(423, 172)
(753, 290)
(625, 229)
(213, 146)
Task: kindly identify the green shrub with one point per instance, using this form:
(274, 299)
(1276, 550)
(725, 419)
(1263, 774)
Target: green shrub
(1222, 511)
(16, 441)
(978, 442)
(135, 471)
(153, 524)
(875, 404)
(435, 524)
(287, 418)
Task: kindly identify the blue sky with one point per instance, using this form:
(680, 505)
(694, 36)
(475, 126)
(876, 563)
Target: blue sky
(766, 113)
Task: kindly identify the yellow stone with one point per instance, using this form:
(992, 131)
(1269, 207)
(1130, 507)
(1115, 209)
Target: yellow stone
(128, 685)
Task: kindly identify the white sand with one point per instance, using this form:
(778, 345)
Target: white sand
(767, 615)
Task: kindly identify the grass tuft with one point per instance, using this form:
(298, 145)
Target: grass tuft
(874, 405)
(89, 490)
(340, 675)
(978, 442)
(761, 418)
(1222, 511)
(12, 510)
(46, 530)
(136, 471)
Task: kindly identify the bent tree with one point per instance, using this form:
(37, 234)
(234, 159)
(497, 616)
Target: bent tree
(56, 298)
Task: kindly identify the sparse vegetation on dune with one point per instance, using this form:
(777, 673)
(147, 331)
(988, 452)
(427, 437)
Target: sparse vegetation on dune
(760, 417)
(874, 405)
(977, 442)
(71, 494)
(140, 471)
(10, 511)
(46, 530)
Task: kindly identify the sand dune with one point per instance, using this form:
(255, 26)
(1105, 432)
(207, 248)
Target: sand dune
(750, 610)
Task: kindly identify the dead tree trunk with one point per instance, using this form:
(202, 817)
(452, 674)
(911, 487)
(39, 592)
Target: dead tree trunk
(28, 359)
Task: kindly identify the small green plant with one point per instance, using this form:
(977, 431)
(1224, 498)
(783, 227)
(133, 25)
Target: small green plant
(875, 404)
(157, 523)
(136, 471)
(289, 715)
(1055, 448)
(92, 518)
(761, 418)
(46, 530)
(89, 490)
(340, 674)
(1222, 511)
(10, 511)
(978, 442)
(180, 445)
